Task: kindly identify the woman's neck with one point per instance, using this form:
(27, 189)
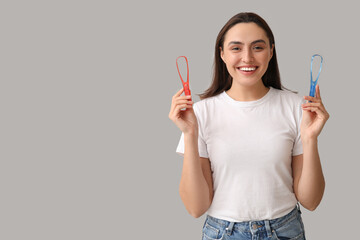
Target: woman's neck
(247, 93)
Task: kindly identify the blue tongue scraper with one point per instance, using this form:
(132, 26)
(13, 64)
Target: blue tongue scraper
(313, 83)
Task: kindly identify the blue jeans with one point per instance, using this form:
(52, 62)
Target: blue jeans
(287, 227)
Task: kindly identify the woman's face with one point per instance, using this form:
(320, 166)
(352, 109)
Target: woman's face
(246, 53)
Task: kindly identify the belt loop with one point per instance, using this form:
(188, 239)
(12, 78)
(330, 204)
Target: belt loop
(229, 228)
(298, 207)
(268, 229)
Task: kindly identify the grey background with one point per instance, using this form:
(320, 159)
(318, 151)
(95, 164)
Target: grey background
(87, 148)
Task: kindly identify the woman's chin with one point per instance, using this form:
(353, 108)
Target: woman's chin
(247, 82)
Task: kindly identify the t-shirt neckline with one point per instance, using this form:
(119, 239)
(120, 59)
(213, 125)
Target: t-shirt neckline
(257, 102)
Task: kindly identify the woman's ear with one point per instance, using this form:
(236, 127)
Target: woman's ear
(222, 54)
(272, 51)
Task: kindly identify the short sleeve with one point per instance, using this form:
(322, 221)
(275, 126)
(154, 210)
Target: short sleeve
(298, 148)
(201, 145)
(201, 142)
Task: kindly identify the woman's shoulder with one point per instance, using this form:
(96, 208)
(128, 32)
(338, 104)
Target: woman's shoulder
(288, 96)
(208, 102)
(207, 106)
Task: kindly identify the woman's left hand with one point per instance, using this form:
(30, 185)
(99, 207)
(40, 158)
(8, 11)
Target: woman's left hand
(314, 116)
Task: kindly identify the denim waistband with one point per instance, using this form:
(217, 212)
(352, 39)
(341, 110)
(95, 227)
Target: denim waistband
(261, 224)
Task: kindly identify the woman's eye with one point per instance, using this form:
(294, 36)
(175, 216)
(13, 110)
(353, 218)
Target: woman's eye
(258, 48)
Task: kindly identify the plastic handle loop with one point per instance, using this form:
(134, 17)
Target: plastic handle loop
(312, 82)
(185, 84)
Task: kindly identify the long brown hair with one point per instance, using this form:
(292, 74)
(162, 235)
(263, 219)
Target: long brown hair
(222, 80)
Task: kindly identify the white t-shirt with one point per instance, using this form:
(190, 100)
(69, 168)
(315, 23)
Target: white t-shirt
(250, 147)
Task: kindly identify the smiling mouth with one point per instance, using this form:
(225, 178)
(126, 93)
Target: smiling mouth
(247, 69)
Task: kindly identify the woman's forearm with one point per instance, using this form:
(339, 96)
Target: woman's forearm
(194, 190)
(311, 183)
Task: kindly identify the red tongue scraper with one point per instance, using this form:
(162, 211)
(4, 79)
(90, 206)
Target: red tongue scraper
(185, 84)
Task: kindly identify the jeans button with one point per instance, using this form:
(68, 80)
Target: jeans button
(255, 226)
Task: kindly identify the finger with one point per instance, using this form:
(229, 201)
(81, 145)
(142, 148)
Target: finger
(174, 98)
(317, 110)
(177, 100)
(177, 97)
(312, 104)
(184, 101)
(181, 106)
(312, 99)
(174, 112)
(318, 105)
(180, 100)
(317, 90)
(179, 92)
(183, 97)
(315, 103)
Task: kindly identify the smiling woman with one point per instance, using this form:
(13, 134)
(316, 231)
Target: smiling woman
(246, 53)
(249, 34)
(250, 147)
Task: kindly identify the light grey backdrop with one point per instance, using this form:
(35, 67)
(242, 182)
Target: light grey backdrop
(87, 148)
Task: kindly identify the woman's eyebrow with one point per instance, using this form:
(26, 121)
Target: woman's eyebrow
(240, 43)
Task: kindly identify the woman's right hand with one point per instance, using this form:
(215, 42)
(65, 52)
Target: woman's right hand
(184, 119)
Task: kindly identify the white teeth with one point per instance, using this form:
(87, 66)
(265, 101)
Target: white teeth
(247, 69)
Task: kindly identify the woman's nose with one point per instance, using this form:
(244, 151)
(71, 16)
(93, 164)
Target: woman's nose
(247, 56)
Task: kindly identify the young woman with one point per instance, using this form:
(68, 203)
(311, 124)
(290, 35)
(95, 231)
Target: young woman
(250, 147)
